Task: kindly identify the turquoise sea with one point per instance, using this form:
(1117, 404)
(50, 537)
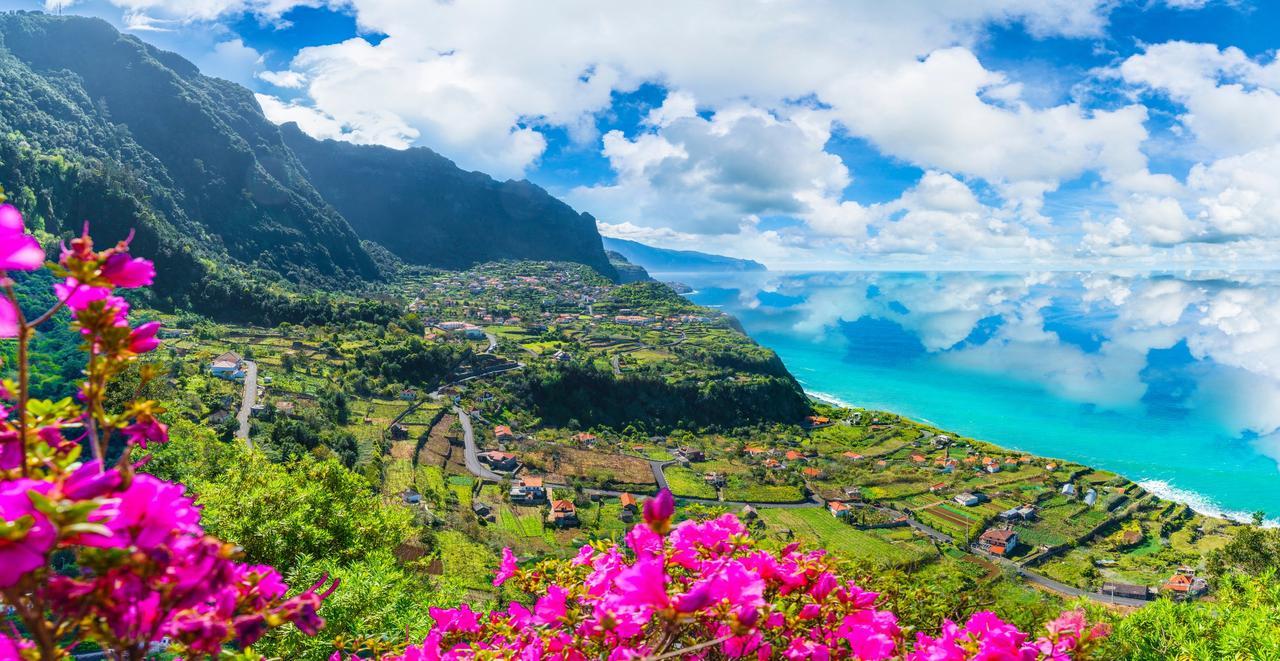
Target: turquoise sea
(1172, 380)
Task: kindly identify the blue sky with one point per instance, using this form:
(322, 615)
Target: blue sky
(1141, 134)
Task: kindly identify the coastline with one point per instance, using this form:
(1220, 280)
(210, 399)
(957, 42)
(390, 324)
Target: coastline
(1198, 502)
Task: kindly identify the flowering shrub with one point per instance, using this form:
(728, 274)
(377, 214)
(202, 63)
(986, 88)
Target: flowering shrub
(704, 590)
(134, 570)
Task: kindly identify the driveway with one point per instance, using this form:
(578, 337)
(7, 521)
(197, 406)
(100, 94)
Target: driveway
(248, 400)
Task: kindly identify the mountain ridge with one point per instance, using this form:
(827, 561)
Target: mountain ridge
(665, 260)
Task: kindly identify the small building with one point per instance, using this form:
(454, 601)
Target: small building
(934, 488)
(1125, 591)
(851, 455)
(967, 499)
(561, 356)
(503, 433)
(693, 454)
(629, 507)
(792, 455)
(748, 513)
(1020, 513)
(408, 394)
(816, 421)
(814, 473)
(1185, 586)
(484, 512)
(528, 491)
(563, 514)
(399, 432)
(227, 366)
(714, 479)
(285, 407)
(583, 437)
(499, 461)
(853, 494)
(773, 464)
(1068, 489)
(999, 541)
(838, 509)
(1090, 497)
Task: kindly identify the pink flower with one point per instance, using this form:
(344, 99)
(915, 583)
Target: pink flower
(143, 338)
(10, 450)
(123, 270)
(505, 570)
(147, 431)
(658, 510)
(8, 318)
(150, 512)
(90, 481)
(28, 535)
(643, 584)
(78, 296)
(19, 251)
(551, 606)
(584, 555)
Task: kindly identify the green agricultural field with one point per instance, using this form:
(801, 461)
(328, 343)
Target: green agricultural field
(763, 493)
(821, 530)
(685, 482)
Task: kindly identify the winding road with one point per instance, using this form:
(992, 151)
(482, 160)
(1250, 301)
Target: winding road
(247, 401)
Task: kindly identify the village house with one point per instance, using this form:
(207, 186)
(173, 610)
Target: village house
(851, 455)
(748, 513)
(629, 507)
(838, 509)
(399, 432)
(853, 494)
(814, 473)
(563, 514)
(934, 488)
(1185, 585)
(499, 461)
(503, 434)
(792, 455)
(918, 458)
(1068, 489)
(714, 479)
(772, 464)
(484, 512)
(1125, 591)
(693, 454)
(1090, 497)
(998, 541)
(967, 499)
(583, 437)
(528, 491)
(1020, 513)
(228, 366)
(817, 421)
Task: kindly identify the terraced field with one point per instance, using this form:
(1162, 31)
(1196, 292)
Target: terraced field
(819, 529)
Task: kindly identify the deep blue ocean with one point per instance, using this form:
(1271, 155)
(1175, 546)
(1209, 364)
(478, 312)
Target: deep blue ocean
(1172, 380)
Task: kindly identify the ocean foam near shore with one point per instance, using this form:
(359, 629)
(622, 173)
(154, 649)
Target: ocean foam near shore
(1199, 502)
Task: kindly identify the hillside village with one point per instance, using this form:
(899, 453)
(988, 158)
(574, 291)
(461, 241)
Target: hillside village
(434, 413)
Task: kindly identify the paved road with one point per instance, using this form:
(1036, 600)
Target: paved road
(1060, 588)
(471, 454)
(658, 475)
(617, 369)
(247, 401)
(493, 342)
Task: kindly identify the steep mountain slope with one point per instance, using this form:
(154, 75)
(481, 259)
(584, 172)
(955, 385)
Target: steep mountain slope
(627, 272)
(662, 260)
(141, 139)
(426, 210)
